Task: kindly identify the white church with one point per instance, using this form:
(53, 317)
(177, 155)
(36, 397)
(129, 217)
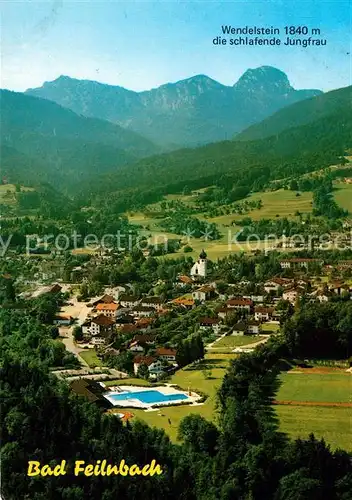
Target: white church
(200, 267)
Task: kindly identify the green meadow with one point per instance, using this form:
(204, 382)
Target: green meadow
(316, 387)
(334, 424)
(343, 195)
(283, 203)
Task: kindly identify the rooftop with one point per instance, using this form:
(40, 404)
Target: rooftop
(103, 320)
(110, 306)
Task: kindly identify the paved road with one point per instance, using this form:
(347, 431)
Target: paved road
(67, 338)
(79, 311)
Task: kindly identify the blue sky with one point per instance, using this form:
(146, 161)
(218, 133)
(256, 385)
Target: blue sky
(141, 45)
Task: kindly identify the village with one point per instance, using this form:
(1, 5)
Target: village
(120, 325)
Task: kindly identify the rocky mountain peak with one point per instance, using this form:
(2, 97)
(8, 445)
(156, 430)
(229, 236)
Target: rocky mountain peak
(264, 77)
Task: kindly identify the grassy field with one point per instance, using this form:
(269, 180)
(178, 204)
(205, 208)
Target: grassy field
(327, 387)
(90, 356)
(343, 195)
(7, 193)
(270, 327)
(275, 203)
(237, 340)
(83, 251)
(215, 249)
(332, 424)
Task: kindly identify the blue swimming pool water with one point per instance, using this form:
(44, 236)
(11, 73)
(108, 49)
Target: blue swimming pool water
(151, 396)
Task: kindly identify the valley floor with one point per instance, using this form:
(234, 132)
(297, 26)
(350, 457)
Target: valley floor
(331, 423)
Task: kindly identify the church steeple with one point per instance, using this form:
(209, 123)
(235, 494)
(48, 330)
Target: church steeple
(202, 255)
(199, 268)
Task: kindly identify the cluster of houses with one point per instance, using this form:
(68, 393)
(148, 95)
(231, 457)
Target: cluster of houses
(135, 315)
(232, 313)
(292, 289)
(131, 315)
(127, 314)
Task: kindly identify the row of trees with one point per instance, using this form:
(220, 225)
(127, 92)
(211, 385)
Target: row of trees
(189, 350)
(320, 330)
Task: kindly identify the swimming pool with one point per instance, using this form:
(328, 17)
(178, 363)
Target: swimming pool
(149, 397)
(129, 396)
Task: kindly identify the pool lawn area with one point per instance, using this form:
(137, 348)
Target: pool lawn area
(147, 398)
(195, 379)
(127, 381)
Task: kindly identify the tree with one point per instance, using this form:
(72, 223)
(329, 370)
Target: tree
(143, 371)
(299, 486)
(221, 287)
(54, 332)
(199, 434)
(77, 333)
(207, 373)
(187, 249)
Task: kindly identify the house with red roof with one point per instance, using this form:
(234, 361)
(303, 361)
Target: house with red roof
(240, 304)
(99, 329)
(206, 323)
(108, 309)
(166, 354)
(155, 366)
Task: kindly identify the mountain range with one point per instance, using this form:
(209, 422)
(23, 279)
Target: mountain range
(293, 148)
(191, 112)
(44, 141)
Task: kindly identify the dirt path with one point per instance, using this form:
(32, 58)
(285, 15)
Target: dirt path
(321, 370)
(211, 345)
(252, 346)
(314, 403)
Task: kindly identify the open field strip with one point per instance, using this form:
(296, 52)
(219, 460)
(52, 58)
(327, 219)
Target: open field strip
(309, 395)
(8, 194)
(231, 341)
(281, 202)
(90, 357)
(270, 326)
(343, 195)
(317, 387)
(332, 424)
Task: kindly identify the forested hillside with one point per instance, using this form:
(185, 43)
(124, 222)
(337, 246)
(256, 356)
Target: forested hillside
(40, 139)
(89, 158)
(308, 111)
(232, 165)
